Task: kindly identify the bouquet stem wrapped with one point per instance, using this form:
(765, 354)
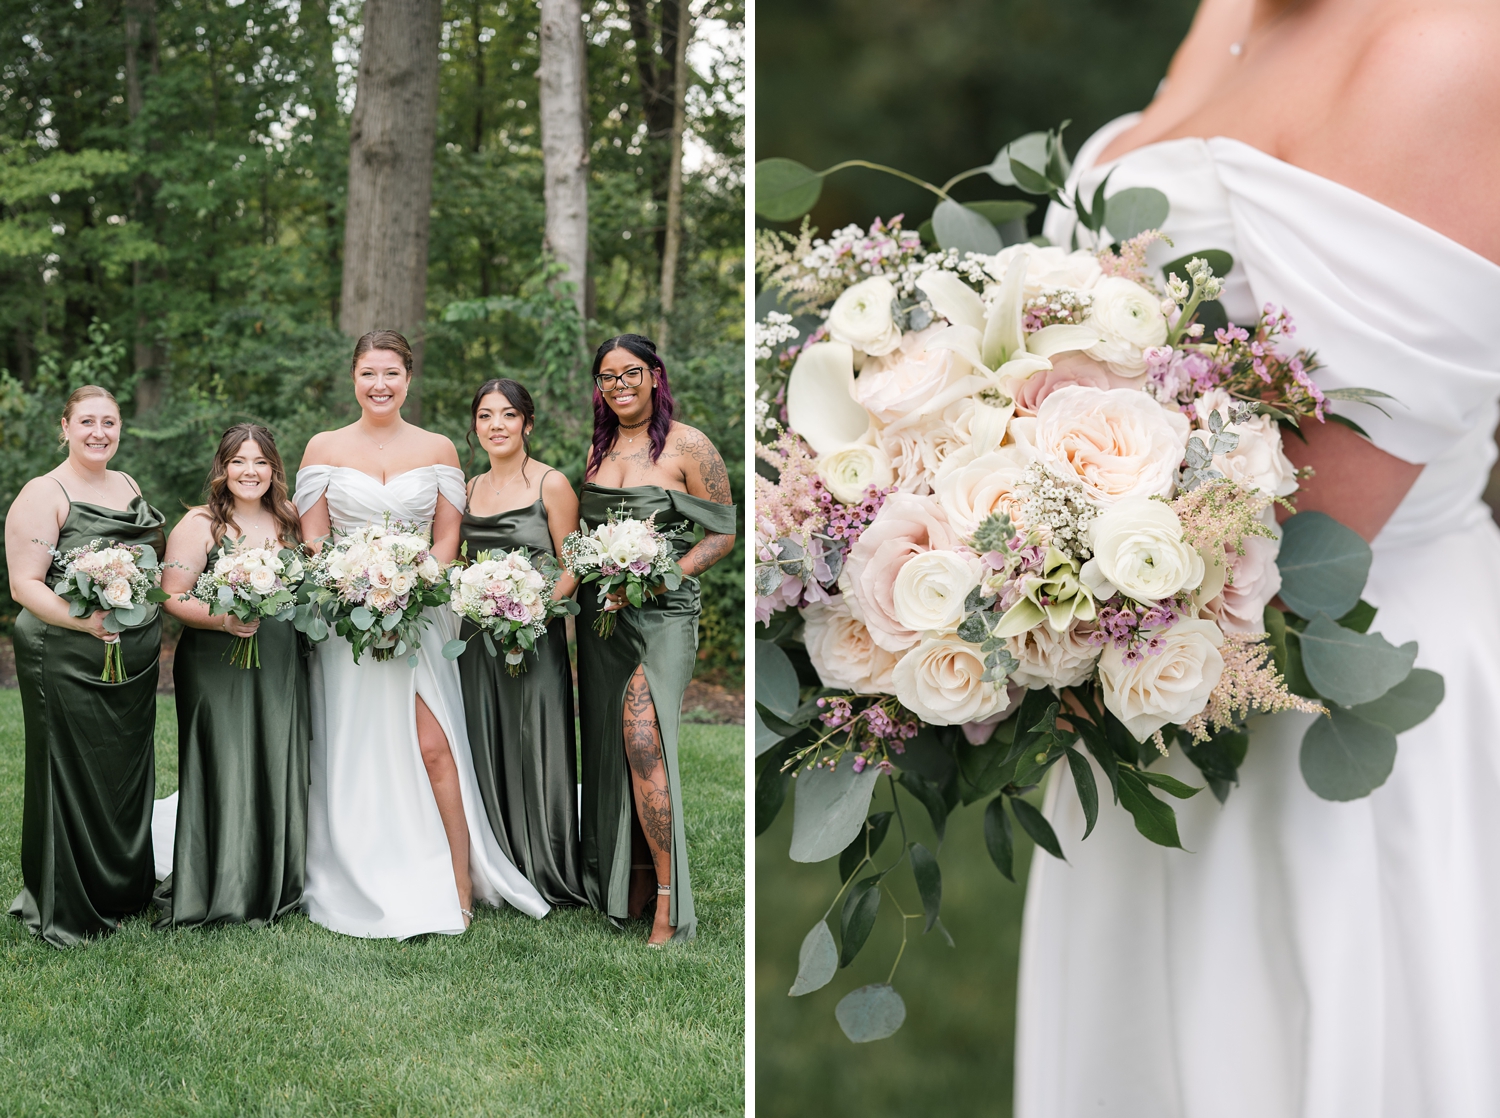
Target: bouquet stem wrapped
(251, 584)
(123, 580)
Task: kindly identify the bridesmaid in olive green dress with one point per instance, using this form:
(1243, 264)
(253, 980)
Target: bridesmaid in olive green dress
(90, 746)
(242, 733)
(521, 727)
(631, 683)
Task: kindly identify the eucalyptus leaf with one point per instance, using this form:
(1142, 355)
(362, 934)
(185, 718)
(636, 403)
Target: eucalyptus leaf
(1029, 150)
(1407, 704)
(1323, 565)
(861, 907)
(957, 227)
(785, 189)
(1345, 757)
(453, 649)
(870, 1013)
(929, 878)
(765, 737)
(776, 683)
(817, 961)
(361, 617)
(1134, 210)
(829, 809)
(1351, 668)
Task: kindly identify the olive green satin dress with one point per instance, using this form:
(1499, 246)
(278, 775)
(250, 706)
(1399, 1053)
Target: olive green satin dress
(663, 636)
(521, 729)
(242, 745)
(90, 755)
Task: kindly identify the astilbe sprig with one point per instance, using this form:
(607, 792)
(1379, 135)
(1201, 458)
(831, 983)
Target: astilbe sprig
(1249, 685)
(1218, 515)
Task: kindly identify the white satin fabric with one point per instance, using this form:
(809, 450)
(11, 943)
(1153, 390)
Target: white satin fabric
(1307, 959)
(378, 861)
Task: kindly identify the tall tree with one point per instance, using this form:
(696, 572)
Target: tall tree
(672, 238)
(140, 39)
(391, 137)
(565, 153)
(654, 27)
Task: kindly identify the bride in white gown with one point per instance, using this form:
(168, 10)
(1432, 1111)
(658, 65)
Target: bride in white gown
(1308, 958)
(398, 842)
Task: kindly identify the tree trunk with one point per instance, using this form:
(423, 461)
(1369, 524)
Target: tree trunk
(658, 77)
(391, 138)
(565, 154)
(140, 38)
(672, 241)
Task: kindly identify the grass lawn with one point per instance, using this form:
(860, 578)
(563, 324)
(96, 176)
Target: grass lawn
(953, 1056)
(516, 1017)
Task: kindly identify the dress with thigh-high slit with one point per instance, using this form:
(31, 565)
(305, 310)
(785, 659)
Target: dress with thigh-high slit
(378, 861)
(1302, 958)
(662, 637)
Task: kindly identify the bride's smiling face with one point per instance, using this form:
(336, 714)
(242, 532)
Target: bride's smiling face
(380, 383)
(500, 427)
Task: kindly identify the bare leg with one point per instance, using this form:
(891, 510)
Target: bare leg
(442, 773)
(653, 799)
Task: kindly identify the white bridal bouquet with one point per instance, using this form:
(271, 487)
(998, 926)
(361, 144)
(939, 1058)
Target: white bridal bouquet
(251, 583)
(1019, 511)
(371, 585)
(623, 553)
(509, 600)
(123, 580)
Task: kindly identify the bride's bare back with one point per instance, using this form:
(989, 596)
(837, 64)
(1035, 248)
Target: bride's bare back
(1395, 99)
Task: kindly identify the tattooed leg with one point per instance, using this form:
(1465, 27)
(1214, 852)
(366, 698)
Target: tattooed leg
(653, 798)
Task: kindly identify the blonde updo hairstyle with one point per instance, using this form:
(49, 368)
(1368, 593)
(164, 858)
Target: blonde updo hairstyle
(77, 396)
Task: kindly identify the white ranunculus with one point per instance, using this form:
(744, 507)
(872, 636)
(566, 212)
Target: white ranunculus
(1048, 267)
(848, 471)
(1116, 443)
(972, 490)
(941, 681)
(262, 579)
(1052, 659)
(1241, 605)
(117, 593)
(1169, 686)
(842, 652)
(929, 592)
(861, 317)
(1129, 321)
(1139, 550)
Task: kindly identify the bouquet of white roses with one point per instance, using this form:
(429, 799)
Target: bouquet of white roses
(251, 583)
(623, 553)
(1037, 527)
(509, 600)
(123, 580)
(371, 585)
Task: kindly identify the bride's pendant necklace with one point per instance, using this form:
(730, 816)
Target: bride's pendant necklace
(389, 438)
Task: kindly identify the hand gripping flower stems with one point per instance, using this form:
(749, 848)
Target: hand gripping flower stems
(124, 581)
(1038, 527)
(623, 554)
(509, 600)
(251, 584)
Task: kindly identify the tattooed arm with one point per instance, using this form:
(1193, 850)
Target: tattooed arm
(703, 471)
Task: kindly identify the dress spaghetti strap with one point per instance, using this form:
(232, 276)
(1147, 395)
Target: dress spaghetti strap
(64, 488)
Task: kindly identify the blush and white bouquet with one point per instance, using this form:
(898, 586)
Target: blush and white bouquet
(371, 585)
(1016, 506)
(123, 580)
(251, 583)
(509, 600)
(623, 554)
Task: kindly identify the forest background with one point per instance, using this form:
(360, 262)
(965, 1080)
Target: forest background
(173, 185)
(930, 87)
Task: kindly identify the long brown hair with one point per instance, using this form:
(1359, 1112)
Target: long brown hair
(220, 502)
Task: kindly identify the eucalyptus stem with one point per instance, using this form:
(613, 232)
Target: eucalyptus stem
(923, 183)
(905, 916)
(969, 174)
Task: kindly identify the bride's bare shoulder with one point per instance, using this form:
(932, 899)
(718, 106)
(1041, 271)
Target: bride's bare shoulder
(1431, 65)
(437, 448)
(323, 448)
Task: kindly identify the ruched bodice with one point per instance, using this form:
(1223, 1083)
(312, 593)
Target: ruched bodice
(1385, 302)
(356, 499)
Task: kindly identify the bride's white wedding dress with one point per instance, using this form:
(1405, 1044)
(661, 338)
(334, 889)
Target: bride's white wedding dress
(1307, 959)
(378, 863)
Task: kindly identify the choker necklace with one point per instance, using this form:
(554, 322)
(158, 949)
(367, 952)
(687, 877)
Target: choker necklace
(633, 426)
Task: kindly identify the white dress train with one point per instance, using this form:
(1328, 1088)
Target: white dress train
(1307, 959)
(378, 861)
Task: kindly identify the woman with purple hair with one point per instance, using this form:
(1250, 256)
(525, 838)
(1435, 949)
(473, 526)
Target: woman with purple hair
(630, 684)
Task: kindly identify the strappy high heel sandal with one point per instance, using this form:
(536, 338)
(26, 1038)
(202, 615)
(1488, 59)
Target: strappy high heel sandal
(661, 891)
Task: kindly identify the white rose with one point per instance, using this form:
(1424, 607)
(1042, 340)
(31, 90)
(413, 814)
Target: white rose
(381, 598)
(861, 317)
(1258, 461)
(262, 579)
(928, 594)
(1048, 267)
(917, 452)
(224, 565)
(1116, 443)
(970, 491)
(1052, 659)
(941, 680)
(848, 471)
(117, 593)
(1241, 605)
(908, 379)
(842, 651)
(1139, 550)
(1129, 321)
(401, 584)
(1170, 685)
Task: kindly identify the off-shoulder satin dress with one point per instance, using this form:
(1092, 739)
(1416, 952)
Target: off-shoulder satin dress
(378, 862)
(1307, 959)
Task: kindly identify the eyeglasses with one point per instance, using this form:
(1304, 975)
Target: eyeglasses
(630, 378)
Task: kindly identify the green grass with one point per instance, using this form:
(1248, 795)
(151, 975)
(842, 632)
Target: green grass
(953, 1055)
(516, 1017)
